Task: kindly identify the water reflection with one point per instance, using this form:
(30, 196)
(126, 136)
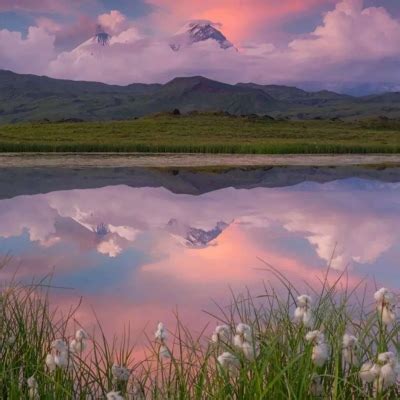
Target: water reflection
(136, 254)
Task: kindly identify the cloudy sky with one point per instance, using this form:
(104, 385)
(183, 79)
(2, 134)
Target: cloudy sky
(275, 41)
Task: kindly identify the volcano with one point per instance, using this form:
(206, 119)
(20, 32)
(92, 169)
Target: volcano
(199, 31)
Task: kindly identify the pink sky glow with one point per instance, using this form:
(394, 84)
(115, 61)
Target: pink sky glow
(289, 40)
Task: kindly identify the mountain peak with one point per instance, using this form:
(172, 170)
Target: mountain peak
(195, 237)
(192, 81)
(199, 31)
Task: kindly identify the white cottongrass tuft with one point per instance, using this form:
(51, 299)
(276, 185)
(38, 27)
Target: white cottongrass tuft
(161, 333)
(320, 354)
(349, 351)
(320, 351)
(303, 313)
(60, 354)
(59, 345)
(229, 362)
(50, 363)
(316, 386)
(387, 358)
(384, 295)
(33, 388)
(78, 344)
(32, 383)
(385, 305)
(59, 357)
(114, 396)
(369, 372)
(81, 335)
(315, 337)
(243, 334)
(61, 360)
(77, 347)
(388, 372)
(238, 341)
(243, 340)
(161, 337)
(244, 331)
(222, 333)
(250, 350)
(120, 373)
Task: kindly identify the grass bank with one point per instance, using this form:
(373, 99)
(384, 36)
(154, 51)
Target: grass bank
(258, 351)
(205, 133)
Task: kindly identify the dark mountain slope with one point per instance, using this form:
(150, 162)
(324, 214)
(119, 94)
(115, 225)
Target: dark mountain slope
(294, 95)
(43, 86)
(202, 94)
(32, 98)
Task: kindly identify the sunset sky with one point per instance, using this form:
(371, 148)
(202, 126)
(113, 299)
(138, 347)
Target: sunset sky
(275, 41)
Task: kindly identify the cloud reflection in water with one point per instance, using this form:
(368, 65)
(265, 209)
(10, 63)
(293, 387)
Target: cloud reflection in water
(157, 250)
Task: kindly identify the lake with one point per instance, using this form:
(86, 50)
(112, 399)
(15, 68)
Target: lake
(138, 245)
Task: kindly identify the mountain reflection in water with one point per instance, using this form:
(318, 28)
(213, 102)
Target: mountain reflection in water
(137, 254)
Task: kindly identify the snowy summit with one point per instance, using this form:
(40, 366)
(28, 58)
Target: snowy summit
(199, 31)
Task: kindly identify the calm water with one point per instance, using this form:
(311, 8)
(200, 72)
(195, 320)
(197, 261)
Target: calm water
(136, 254)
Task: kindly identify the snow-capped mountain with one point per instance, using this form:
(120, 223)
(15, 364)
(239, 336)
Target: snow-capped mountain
(198, 31)
(194, 237)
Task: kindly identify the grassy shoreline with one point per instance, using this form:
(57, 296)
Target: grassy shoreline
(205, 133)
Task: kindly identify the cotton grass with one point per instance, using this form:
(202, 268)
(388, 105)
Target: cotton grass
(385, 305)
(277, 345)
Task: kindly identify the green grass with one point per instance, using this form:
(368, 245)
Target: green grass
(204, 133)
(282, 370)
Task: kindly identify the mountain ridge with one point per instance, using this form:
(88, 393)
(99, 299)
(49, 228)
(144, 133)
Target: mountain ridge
(33, 98)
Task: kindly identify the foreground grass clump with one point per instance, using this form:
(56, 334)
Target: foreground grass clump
(205, 133)
(328, 344)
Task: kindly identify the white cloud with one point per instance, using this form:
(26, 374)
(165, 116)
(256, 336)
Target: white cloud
(343, 239)
(126, 232)
(351, 33)
(36, 218)
(127, 36)
(31, 54)
(109, 248)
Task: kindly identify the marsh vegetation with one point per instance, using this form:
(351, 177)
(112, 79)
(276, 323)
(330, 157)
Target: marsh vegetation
(336, 342)
(204, 133)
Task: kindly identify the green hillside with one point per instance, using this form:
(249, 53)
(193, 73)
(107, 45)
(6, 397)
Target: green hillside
(33, 98)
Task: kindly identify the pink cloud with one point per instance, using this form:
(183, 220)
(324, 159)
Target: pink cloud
(233, 261)
(114, 22)
(60, 6)
(68, 36)
(240, 19)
